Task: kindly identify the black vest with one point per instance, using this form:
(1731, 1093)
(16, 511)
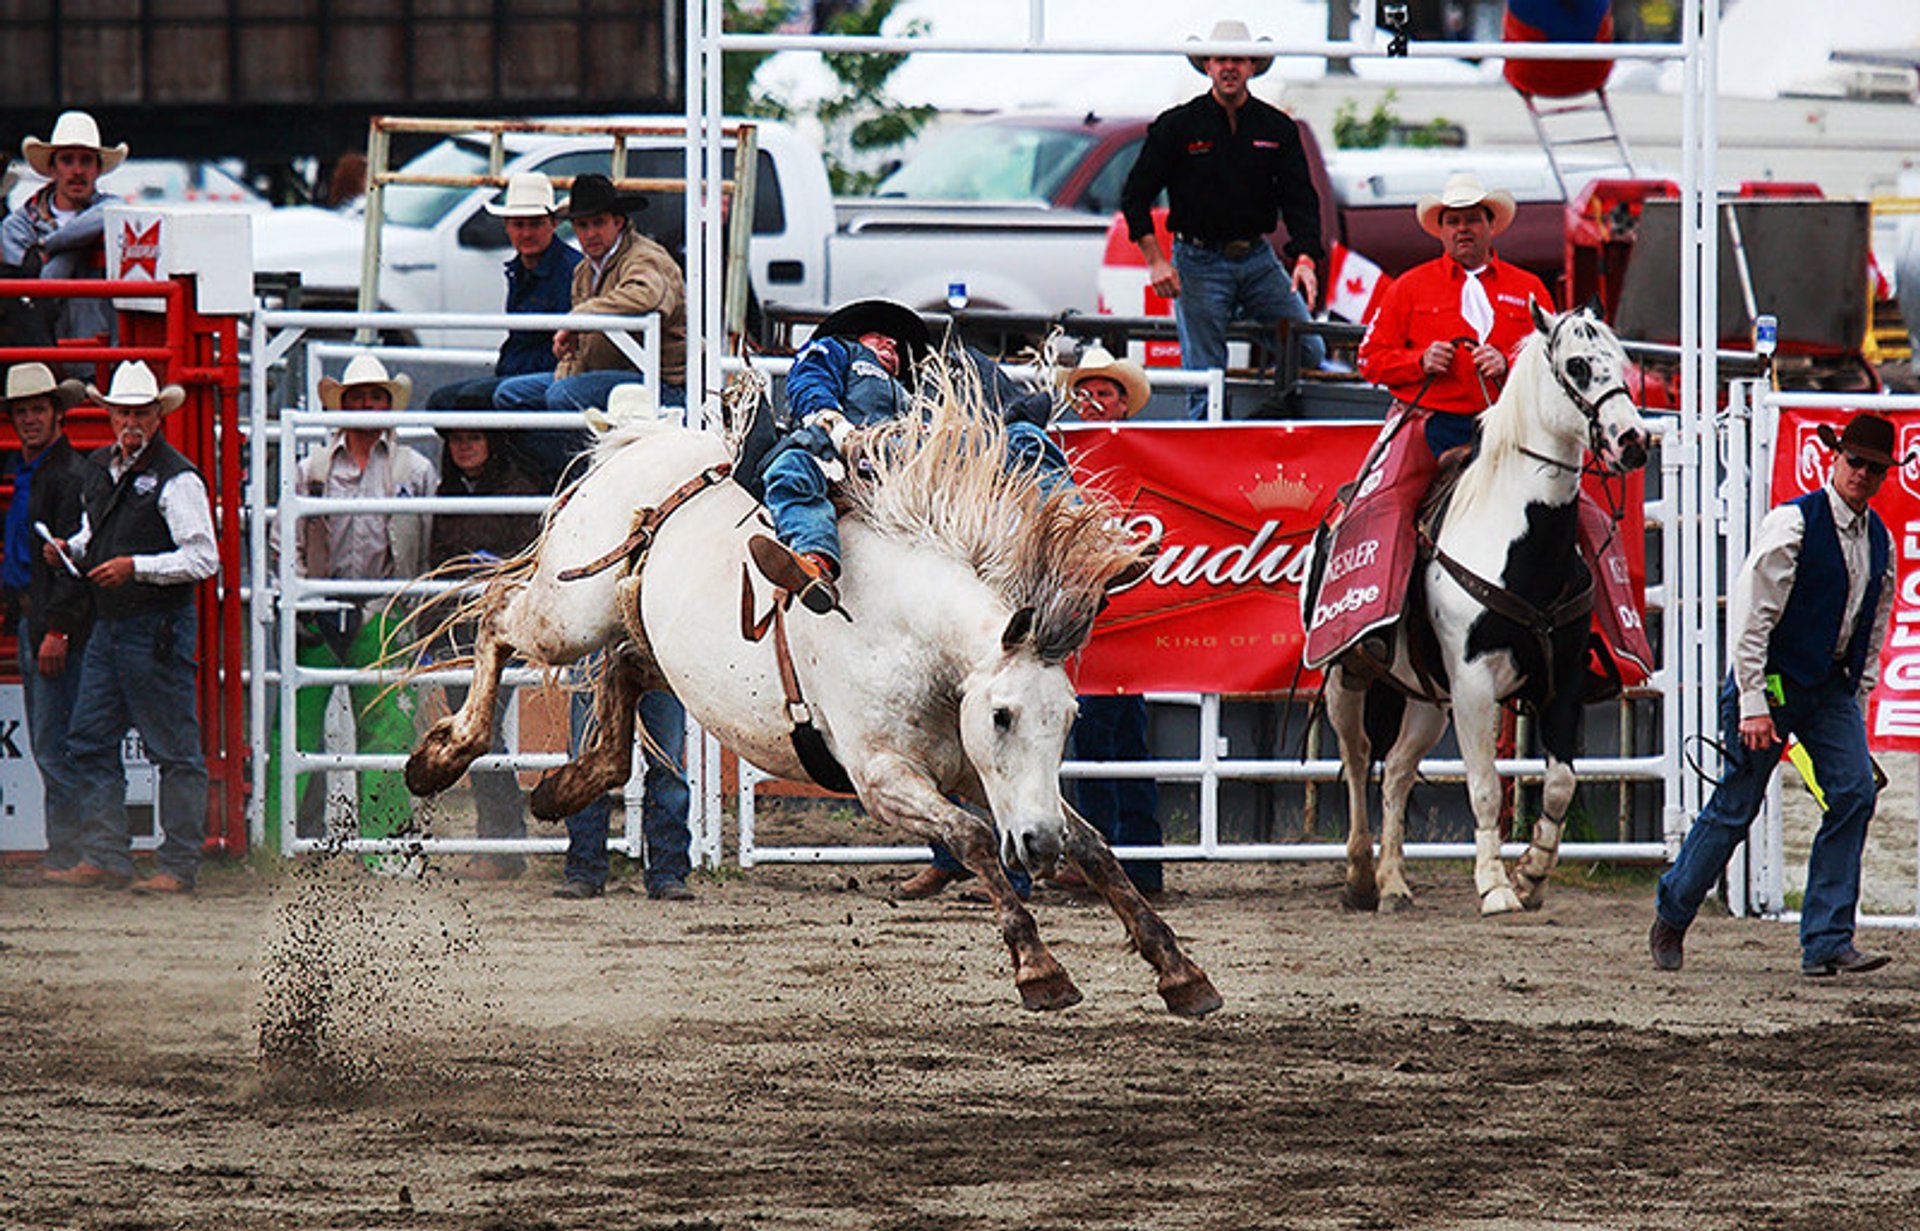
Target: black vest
(127, 522)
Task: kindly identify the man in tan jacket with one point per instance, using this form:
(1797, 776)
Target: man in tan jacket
(624, 274)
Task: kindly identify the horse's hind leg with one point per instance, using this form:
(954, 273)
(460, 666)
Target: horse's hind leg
(453, 743)
(606, 759)
(1346, 710)
(1183, 985)
(1420, 729)
(1531, 870)
(897, 791)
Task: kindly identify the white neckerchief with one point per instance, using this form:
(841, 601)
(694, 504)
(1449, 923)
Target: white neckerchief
(1475, 308)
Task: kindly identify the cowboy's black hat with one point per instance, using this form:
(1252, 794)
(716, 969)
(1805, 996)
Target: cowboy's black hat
(594, 193)
(1868, 437)
(881, 316)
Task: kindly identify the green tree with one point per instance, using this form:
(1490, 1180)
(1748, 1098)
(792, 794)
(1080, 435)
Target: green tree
(738, 94)
(1383, 126)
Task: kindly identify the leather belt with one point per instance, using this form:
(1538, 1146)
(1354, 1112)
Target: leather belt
(1232, 249)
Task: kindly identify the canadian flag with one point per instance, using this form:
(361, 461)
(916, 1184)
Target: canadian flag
(1354, 285)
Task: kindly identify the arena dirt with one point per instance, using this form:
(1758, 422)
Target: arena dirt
(325, 1048)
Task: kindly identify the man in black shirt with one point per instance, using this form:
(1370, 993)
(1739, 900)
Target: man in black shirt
(1231, 165)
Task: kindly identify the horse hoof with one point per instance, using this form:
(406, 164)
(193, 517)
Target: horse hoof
(1394, 903)
(1049, 992)
(545, 801)
(1359, 900)
(1500, 900)
(426, 774)
(1194, 997)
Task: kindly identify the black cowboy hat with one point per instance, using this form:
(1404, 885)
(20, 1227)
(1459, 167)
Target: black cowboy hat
(594, 193)
(881, 316)
(1868, 437)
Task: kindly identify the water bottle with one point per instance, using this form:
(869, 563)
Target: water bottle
(956, 296)
(1766, 334)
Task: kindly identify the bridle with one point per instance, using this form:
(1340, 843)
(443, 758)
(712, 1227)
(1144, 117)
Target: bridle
(1589, 407)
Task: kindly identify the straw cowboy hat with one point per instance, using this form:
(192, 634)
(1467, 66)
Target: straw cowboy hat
(35, 380)
(882, 316)
(1097, 361)
(1463, 191)
(134, 386)
(1868, 437)
(529, 195)
(74, 129)
(594, 194)
(1232, 32)
(365, 369)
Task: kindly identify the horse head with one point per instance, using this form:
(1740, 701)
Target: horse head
(1589, 366)
(1015, 712)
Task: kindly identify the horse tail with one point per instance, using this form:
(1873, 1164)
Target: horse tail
(488, 586)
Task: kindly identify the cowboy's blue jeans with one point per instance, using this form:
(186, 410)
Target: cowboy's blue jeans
(1828, 723)
(546, 451)
(663, 808)
(1214, 289)
(803, 518)
(1124, 810)
(50, 702)
(139, 674)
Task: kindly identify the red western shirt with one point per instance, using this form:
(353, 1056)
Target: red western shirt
(1423, 307)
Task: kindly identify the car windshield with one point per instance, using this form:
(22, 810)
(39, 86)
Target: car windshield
(989, 162)
(422, 205)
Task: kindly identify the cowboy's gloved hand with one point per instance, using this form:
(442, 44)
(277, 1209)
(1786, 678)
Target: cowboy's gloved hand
(839, 430)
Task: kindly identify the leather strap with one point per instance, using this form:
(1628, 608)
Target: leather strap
(647, 522)
(808, 743)
(1575, 604)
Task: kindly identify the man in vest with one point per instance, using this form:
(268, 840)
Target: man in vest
(146, 545)
(47, 602)
(1805, 621)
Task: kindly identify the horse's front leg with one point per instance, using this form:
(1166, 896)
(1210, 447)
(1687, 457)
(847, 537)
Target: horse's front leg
(1476, 722)
(454, 742)
(1183, 985)
(1347, 711)
(1531, 870)
(898, 791)
(1420, 729)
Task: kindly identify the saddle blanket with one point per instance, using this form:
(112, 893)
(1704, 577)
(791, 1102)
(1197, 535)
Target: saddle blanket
(1371, 556)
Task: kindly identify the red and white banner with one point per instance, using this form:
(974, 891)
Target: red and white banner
(1801, 465)
(1236, 508)
(1354, 285)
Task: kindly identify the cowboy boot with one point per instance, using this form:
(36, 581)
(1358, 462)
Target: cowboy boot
(807, 577)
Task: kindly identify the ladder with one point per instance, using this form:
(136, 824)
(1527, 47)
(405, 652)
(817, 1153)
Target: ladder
(1573, 122)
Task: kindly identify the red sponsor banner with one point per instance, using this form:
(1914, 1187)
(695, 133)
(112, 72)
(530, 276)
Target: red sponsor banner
(1235, 508)
(1801, 465)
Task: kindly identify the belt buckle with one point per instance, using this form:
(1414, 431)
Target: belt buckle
(1236, 249)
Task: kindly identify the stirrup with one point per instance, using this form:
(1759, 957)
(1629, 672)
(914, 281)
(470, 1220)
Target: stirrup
(793, 573)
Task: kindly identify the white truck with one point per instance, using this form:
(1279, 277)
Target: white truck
(442, 251)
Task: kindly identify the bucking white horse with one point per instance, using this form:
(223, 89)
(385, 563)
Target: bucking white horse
(965, 588)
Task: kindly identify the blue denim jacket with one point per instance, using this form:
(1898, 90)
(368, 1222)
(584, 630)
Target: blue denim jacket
(547, 287)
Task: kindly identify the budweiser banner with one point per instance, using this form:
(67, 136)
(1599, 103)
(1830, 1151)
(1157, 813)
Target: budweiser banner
(1800, 465)
(1236, 508)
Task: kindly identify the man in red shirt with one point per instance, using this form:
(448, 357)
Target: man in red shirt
(1442, 342)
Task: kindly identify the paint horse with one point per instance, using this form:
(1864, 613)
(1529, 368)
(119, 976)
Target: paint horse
(1508, 600)
(937, 685)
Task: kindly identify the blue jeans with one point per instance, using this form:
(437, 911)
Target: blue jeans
(547, 451)
(1827, 720)
(1214, 289)
(1028, 445)
(663, 809)
(1124, 810)
(50, 701)
(464, 395)
(139, 675)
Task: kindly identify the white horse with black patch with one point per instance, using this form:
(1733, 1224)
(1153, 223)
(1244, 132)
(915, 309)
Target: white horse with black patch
(965, 588)
(1509, 600)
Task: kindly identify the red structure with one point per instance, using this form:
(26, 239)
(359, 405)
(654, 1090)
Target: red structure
(202, 355)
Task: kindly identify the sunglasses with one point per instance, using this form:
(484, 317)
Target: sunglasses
(1875, 469)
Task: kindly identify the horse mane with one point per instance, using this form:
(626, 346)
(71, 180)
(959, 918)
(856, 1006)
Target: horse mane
(1503, 426)
(941, 478)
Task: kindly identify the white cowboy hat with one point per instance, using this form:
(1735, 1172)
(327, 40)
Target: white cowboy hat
(134, 385)
(632, 402)
(1096, 360)
(529, 195)
(1232, 32)
(72, 129)
(35, 380)
(365, 369)
(1464, 190)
